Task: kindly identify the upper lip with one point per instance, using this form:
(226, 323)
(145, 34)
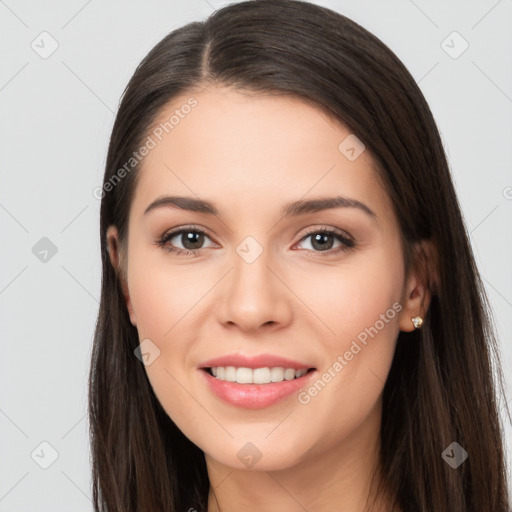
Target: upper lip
(256, 361)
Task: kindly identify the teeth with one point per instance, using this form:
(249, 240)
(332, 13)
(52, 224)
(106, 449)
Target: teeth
(257, 375)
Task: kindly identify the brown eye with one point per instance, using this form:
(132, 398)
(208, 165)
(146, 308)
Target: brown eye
(323, 241)
(191, 239)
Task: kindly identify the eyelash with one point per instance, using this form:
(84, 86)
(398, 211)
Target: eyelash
(347, 243)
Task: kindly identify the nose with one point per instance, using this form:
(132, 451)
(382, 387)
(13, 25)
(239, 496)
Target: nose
(254, 294)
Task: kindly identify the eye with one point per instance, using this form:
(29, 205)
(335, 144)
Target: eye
(191, 238)
(322, 241)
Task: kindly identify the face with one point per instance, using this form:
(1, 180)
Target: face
(323, 288)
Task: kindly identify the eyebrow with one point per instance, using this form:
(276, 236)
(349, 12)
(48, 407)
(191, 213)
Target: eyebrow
(292, 209)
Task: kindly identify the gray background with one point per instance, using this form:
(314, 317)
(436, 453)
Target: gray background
(56, 116)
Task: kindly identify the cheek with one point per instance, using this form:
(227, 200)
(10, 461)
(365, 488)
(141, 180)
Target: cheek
(353, 296)
(358, 304)
(160, 294)
(163, 302)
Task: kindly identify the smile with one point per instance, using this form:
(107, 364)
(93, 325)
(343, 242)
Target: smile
(253, 394)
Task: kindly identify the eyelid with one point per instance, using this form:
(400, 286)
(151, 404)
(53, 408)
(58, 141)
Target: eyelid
(328, 229)
(190, 227)
(171, 233)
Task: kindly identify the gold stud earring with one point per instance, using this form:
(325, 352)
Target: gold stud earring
(417, 321)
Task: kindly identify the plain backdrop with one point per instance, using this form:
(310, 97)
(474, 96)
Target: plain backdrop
(63, 67)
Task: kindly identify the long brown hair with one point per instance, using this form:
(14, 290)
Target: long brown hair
(445, 379)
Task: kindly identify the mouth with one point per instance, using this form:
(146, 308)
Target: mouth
(256, 376)
(256, 388)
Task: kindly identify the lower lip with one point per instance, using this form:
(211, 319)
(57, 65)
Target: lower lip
(255, 396)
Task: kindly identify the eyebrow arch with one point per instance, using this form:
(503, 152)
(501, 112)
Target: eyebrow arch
(293, 209)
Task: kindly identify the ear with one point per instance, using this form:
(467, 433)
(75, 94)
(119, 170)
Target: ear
(118, 261)
(421, 283)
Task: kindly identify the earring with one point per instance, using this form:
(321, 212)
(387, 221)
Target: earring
(417, 321)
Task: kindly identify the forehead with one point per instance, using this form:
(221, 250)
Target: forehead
(248, 150)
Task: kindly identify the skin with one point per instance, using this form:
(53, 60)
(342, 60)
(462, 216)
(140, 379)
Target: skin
(250, 154)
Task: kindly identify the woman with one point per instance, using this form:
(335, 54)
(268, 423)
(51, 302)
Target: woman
(291, 317)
